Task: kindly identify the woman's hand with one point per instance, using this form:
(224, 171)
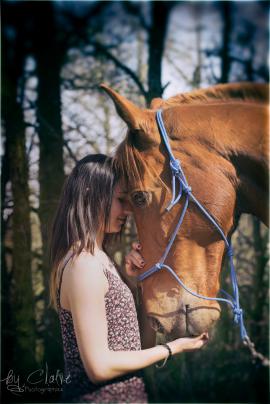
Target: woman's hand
(134, 261)
(189, 344)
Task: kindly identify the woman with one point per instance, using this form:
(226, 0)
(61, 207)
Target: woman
(101, 339)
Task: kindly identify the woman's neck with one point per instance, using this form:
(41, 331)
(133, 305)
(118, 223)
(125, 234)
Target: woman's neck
(99, 242)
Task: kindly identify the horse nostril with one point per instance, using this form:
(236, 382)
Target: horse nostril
(155, 324)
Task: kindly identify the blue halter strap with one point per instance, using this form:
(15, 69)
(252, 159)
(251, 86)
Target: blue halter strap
(178, 177)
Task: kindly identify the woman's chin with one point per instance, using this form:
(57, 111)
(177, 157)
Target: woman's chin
(117, 229)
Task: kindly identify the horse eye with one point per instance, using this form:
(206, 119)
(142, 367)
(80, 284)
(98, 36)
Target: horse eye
(141, 198)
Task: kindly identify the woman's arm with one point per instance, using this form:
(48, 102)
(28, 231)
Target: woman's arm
(87, 285)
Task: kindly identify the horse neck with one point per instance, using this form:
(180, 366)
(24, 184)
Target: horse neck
(252, 174)
(238, 132)
(247, 146)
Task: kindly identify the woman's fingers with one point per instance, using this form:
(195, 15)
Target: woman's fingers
(130, 268)
(136, 245)
(187, 344)
(202, 340)
(204, 335)
(136, 258)
(128, 264)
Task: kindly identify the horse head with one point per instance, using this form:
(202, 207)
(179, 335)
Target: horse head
(198, 250)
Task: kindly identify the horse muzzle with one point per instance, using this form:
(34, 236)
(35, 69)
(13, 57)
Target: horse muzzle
(188, 321)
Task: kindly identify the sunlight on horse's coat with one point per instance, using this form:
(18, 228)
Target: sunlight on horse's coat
(220, 135)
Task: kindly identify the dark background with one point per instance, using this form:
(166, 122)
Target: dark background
(54, 56)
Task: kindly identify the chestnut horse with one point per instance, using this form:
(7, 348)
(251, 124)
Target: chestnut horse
(220, 135)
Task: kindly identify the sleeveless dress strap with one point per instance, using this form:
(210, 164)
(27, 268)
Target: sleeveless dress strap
(65, 262)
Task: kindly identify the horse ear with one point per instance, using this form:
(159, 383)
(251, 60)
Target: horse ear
(135, 117)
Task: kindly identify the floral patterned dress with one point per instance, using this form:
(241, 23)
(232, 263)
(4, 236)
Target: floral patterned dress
(123, 335)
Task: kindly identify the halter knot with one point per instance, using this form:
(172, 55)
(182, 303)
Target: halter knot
(238, 314)
(230, 252)
(187, 189)
(158, 265)
(175, 166)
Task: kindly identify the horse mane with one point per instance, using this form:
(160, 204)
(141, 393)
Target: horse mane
(246, 92)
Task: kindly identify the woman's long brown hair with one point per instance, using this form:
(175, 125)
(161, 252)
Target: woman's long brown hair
(83, 210)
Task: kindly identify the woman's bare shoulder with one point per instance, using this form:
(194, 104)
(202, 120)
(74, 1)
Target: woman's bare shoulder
(86, 271)
(84, 259)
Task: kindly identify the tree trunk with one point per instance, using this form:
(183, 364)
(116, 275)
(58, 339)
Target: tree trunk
(156, 40)
(226, 42)
(22, 303)
(49, 56)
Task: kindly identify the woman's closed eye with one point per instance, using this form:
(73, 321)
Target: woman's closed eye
(123, 200)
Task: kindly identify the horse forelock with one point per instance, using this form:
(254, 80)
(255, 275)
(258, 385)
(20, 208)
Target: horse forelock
(246, 92)
(133, 165)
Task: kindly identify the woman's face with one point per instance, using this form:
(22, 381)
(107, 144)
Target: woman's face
(120, 209)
